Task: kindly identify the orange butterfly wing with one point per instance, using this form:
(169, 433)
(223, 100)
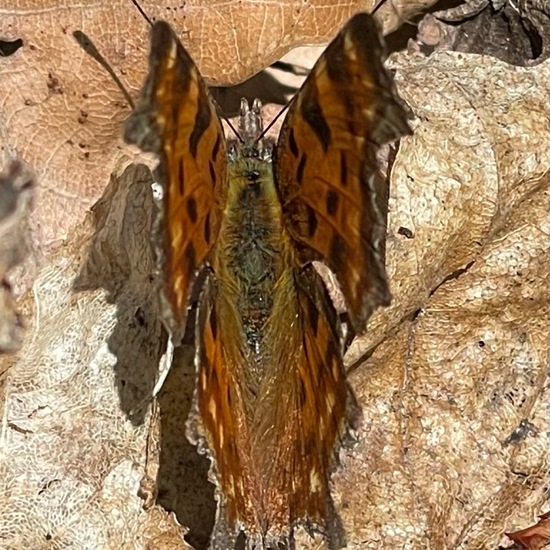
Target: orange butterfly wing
(274, 440)
(177, 120)
(333, 196)
(221, 404)
(307, 411)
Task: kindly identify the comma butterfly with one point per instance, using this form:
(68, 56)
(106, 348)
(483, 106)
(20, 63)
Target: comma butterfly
(272, 397)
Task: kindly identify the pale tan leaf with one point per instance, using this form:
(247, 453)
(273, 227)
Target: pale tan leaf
(71, 458)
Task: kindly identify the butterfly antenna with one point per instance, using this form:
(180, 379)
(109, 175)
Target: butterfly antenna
(144, 15)
(375, 9)
(239, 137)
(88, 46)
(270, 125)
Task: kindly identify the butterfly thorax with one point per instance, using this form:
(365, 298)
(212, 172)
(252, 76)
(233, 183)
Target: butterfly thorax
(250, 256)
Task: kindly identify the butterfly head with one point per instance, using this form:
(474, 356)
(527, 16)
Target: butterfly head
(250, 134)
(250, 122)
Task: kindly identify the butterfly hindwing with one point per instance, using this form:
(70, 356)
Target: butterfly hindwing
(333, 197)
(177, 120)
(308, 414)
(220, 404)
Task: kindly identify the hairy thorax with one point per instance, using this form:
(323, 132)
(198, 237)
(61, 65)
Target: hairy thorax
(250, 255)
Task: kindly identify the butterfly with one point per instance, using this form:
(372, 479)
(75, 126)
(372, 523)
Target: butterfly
(242, 222)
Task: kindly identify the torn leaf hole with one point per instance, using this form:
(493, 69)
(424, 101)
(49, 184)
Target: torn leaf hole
(9, 47)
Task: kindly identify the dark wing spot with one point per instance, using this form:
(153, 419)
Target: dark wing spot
(332, 202)
(301, 393)
(213, 322)
(292, 143)
(313, 316)
(311, 221)
(332, 354)
(212, 172)
(337, 253)
(343, 168)
(192, 209)
(229, 395)
(190, 257)
(207, 229)
(181, 176)
(355, 127)
(300, 171)
(202, 121)
(313, 115)
(216, 149)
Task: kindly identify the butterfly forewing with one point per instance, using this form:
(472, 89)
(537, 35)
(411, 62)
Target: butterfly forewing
(333, 197)
(177, 120)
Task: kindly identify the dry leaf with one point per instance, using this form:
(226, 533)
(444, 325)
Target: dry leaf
(72, 459)
(457, 373)
(518, 34)
(534, 537)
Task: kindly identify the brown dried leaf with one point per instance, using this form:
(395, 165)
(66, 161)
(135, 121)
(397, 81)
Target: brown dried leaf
(463, 355)
(534, 537)
(518, 34)
(71, 457)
